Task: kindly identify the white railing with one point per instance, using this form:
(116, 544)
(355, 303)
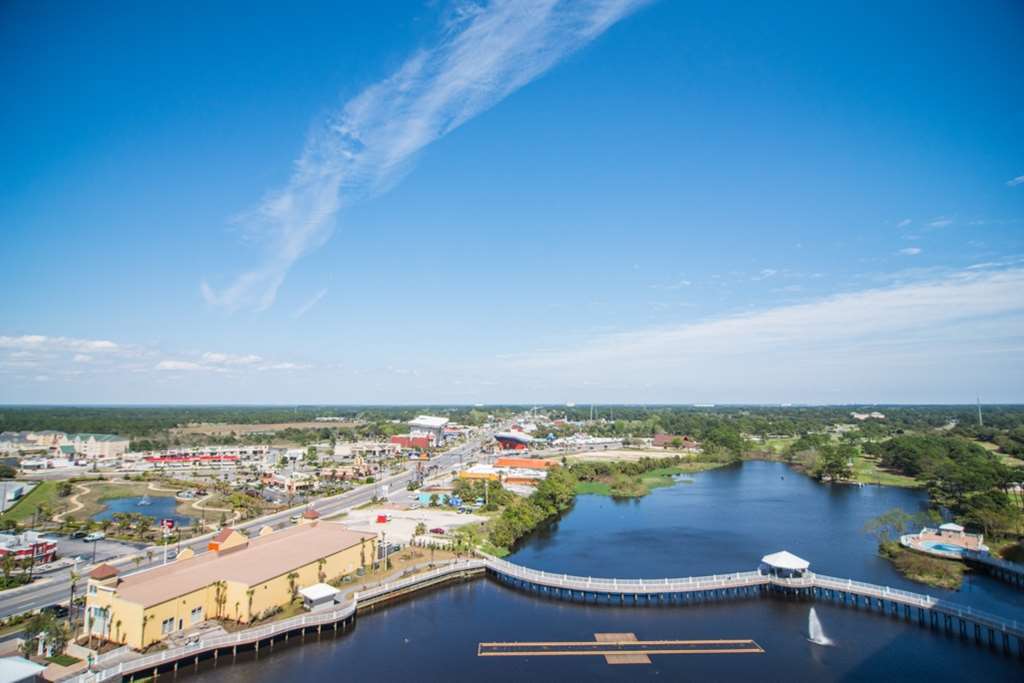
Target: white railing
(985, 558)
(270, 630)
(566, 581)
(906, 597)
(598, 584)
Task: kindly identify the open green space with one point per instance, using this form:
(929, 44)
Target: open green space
(867, 470)
(44, 495)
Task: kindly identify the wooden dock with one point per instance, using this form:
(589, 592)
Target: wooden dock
(619, 648)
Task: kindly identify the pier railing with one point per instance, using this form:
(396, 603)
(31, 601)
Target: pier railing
(985, 558)
(591, 583)
(260, 633)
(585, 584)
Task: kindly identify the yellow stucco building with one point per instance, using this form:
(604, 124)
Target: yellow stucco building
(238, 579)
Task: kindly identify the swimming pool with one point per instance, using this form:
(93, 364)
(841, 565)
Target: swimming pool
(943, 547)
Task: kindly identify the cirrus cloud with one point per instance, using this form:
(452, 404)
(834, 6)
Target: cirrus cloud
(486, 53)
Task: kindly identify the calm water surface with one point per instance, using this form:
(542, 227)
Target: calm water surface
(160, 507)
(724, 521)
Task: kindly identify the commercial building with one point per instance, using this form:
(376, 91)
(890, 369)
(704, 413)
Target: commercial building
(428, 425)
(184, 462)
(422, 441)
(513, 440)
(29, 545)
(239, 578)
(94, 446)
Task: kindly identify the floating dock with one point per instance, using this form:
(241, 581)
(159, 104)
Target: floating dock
(619, 648)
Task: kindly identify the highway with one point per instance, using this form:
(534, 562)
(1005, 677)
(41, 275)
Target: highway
(57, 588)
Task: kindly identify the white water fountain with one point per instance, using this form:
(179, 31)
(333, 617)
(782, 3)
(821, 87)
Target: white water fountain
(815, 633)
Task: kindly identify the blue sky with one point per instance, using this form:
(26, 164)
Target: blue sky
(544, 201)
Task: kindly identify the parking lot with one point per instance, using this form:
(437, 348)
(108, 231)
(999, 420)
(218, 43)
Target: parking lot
(401, 524)
(105, 549)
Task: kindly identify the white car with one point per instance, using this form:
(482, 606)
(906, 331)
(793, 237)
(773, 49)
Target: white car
(95, 536)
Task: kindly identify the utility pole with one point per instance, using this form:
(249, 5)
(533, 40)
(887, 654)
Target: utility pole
(981, 423)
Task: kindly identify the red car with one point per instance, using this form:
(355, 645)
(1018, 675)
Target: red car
(437, 530)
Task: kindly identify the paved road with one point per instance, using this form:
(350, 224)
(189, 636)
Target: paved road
(57, 588)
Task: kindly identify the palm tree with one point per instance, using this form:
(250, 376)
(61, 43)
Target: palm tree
(221, 588)
(320, 569)
(74, 576)
(145, 620)
(7, 563)
(293, 584)
(117, 630)
(249, 595)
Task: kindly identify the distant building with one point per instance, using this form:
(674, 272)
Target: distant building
(428, 425)
(513, 441)
(181, 462)
(413, 441)
(873, 415)
(524, 463)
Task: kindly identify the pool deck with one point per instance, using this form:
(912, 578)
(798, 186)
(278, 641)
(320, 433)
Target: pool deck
(926, 540)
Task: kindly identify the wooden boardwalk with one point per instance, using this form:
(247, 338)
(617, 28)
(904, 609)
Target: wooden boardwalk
(983, 627)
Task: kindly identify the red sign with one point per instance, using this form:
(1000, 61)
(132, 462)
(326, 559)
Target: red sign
(167, 524)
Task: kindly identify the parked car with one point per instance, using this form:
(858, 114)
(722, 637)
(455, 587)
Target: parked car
(94, 536)
(59, 611)
(78, 534)
(437, 530)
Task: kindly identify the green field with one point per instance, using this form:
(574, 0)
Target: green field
(43, 494)
(866, 470)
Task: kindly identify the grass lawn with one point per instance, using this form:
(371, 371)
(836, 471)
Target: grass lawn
(63, 660)
(45, 493)
(778, 445)
(640, 485)
(867, 470)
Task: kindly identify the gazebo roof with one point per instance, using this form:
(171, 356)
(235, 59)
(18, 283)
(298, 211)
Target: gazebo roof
(785, 560)
(950, 526)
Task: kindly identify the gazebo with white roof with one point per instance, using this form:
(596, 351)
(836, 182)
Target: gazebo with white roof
(785, 564)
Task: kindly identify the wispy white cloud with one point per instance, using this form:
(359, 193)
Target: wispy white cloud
(940, 222)
(765, 274)
(179, 365)
(911, 251)
(486, 53)
(892, 336)
(215, 358)
(285, 366)
(37, 342)
(904, 223)
(672, 286)
(310, 303)
(82, 358)
(1014, 182)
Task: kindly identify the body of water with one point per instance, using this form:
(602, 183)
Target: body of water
(725, 520)
(160, 507)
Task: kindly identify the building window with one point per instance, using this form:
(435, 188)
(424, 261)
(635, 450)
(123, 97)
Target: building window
(167, 625)
(92, 590)
(197, 614)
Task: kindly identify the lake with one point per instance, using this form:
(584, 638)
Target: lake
(725, 520)
(160, 507)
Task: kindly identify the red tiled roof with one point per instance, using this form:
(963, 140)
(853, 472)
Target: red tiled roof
(311, 514)
(104, 571)
(223, 535)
